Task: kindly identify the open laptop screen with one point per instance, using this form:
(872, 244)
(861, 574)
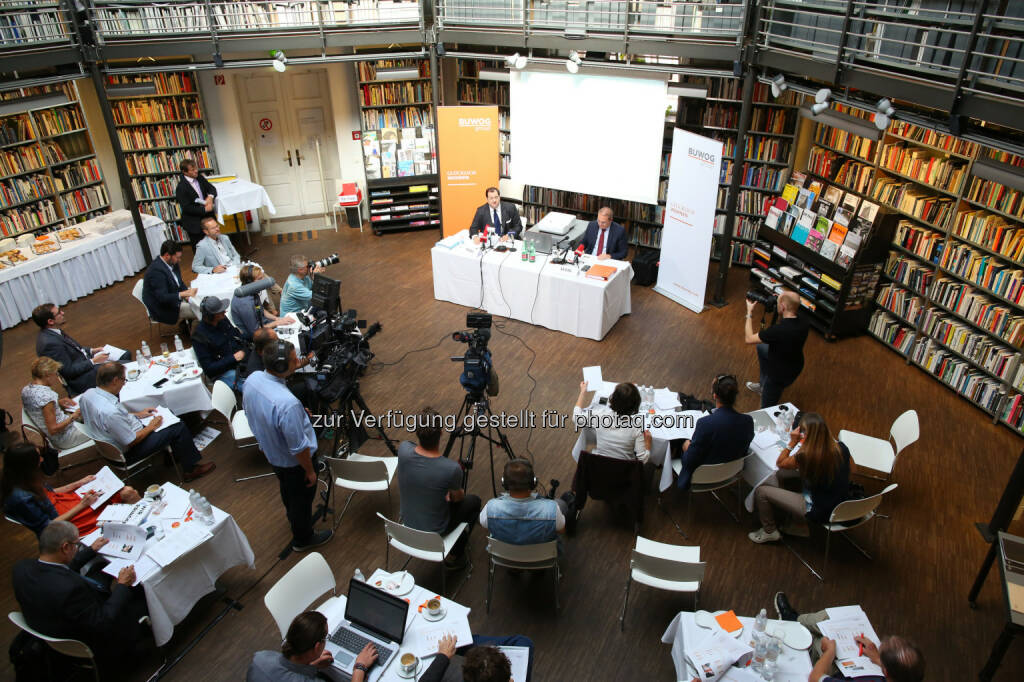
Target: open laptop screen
(376, 610)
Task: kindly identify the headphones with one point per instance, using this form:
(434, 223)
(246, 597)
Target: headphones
(506, 482)
(718, 381)
(279, 363)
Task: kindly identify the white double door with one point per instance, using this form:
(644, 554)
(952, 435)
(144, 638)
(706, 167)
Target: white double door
(287, 116)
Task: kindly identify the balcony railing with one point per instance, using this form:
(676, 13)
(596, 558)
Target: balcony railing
(27, 26)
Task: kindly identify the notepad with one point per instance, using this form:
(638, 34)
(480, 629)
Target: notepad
(729, 621)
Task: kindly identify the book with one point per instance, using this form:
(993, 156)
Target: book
(837, 234)
(850, 202)
(815, 187)
(845, 256)
(805, 198)
(868, 211)
(602, 272)
(823, 225)
(799, 234)
(814, 240)
(772, 219)
(825, 208)
(833, 195)
(789, 192)
(829, 249)
(853, 241)
(798, 178)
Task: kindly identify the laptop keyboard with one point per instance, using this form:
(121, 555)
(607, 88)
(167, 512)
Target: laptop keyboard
(351, 641)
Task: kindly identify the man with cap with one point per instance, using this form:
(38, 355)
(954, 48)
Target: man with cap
(218, 344)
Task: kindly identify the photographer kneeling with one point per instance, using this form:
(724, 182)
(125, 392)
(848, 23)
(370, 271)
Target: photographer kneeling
(780, 348)
(218, 345)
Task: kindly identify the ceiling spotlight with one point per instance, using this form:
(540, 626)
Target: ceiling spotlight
(779, 86)
(279, 60)
(884, 113)
(819, 107)
(822, 96)
(573, 62)
(516, 61)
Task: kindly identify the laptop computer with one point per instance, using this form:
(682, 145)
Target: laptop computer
(371, 615)
(542, 241)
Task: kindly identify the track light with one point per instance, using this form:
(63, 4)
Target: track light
(516, 61)
(884, 113)
(819, 107)
(822, 96)
(573, 62)
(779, 86)
(279, 60)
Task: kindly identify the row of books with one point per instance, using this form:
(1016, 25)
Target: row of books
(170, 83)
(367, 71)
(23, 159)
(59, 120)
(933, 138)
(35, 215)
(161, 110)
(980, 349)
(729, 88)
(166, 210)
(742, 254)
(910, 199)
(75, 174)
(762, 148)
(1013, 412)
(83, 200)
(957, 374)
(505, 166)
(821, 162)
(139, 139)
(846, 142)
(402, 92)
(764, 120)
(493, 93)
(166, 161)
(977, 308)
(37, 26)
(749, 200)
(922, 241)
(504, 120)
(743, 228)
(153, 188)
(946, 174)
(25, 188)
(889, 330)
(901, 302)
(992, 232)
(645, 236)
(1003, 157)
(997, 196)
(373, 119)
(66, 88)
(759, 177)
(504, 143)
(855, 175)
(985, 270)
(254, 16)
(588, 203)
(398, 152)
(15, 129)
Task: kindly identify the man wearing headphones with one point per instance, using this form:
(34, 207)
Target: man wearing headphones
(520, 517)
(722, 436)
(285, 435)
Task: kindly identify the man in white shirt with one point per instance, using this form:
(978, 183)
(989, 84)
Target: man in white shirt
(214, 253)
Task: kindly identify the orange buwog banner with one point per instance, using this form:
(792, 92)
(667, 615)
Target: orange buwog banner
(467, 140)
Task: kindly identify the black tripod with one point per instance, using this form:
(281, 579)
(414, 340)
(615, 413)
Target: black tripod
(477, 405)
(356, 435)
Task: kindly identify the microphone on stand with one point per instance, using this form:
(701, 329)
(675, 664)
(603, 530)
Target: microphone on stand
(254, 287)
(563, 258)
(579, 252)
(483, 239)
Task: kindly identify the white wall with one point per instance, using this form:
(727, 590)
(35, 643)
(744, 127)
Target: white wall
(341, 81)
(101, 141)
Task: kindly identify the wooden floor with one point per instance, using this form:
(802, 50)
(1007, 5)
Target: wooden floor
(926, 555)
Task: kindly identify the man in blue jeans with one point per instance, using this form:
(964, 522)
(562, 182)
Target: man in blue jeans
(780, 349)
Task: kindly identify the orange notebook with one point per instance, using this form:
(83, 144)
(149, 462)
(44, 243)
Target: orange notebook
(729, 621)
(601, 272)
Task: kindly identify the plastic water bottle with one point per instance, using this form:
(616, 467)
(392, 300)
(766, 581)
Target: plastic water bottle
(525, 252)
(178, 347)
(771, 661)
(145, 351)
(533, 252)
(760, 652)
(205, 511)
(193, 500)
(358, 575)
(760, 623)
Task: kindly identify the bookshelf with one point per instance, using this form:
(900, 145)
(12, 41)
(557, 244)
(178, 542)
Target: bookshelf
(33, 22)
(49, 175)
(472, 89)
(155, 132)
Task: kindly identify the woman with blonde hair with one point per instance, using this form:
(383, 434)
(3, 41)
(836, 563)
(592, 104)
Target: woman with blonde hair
(824, 467)
(50, 413)
(250, 313)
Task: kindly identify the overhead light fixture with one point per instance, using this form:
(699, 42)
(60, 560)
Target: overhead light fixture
(279, 60)
(779, 86)
(884, 113)
(822, 96)
(494, 75)
(573, 62)
(516, 61)
(819, 107)
(401, 73)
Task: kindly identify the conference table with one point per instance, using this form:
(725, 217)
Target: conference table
(219, 284)
(190, 395)
(559, 297)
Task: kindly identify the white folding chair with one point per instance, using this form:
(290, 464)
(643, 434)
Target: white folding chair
(847, 516)
(362, 473)
(114, 456)
(68, 647)
(538, 557)
(298, 588)
(709, 478)
(879, 454)
(30, 432)
(421, 544)
(225, 402)
(137, 293)
(674, 568)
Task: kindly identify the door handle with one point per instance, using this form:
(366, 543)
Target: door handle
(298, 157)
(290, 158)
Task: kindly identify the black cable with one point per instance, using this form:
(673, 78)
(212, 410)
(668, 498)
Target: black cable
(529, 398)
(407, 353)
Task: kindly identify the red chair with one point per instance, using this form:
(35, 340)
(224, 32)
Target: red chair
(351, 196)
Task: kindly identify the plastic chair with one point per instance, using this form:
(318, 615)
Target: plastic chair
(538, 557)
(137, 293)
(362, 473)
(114, 456)
(298, 588)
(225, 402)
(29, 431)
(665, 567)
(421, 544)
(708, 478)
(878, 454)
(68, 647)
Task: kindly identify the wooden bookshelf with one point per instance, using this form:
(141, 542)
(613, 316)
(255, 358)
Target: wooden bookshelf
(471, 89)
(155, 133)
(26, 23)
(49, 175)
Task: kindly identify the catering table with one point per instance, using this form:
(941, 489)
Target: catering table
(191, 395)
(793, 665)
(559, 297)
(76, 270)
(456, 620)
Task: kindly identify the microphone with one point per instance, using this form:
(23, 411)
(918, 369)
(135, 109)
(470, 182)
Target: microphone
(483, 239)
(254, 287)
(562, 259)
(579, 252)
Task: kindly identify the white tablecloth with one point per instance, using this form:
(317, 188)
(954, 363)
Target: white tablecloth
(219, 284)
(191, 395)
(794, 665)
(172, 591)
(78, 269)
(553, 296)
(235, 196)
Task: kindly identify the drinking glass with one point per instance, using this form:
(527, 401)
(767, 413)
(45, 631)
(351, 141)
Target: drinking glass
(163, 350)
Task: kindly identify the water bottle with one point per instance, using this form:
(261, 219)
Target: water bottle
(358, 575)
(145, 351)
(533, 252)
(525, 253)
(771, 661)
(205, 511)
(760, 623)
(178, 347)
(193, 500)
(760, 652)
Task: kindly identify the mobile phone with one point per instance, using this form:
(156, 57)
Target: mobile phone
(602, 401)
(585, 268)
(160, 383)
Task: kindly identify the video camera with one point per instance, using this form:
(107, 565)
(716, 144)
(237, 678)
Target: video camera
(477, 368)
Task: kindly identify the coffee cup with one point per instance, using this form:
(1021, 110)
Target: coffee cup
(434, 607)
(154, 492)
(132, 374)
(408, 663)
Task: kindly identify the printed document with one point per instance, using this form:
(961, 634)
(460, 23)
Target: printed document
(106, 484)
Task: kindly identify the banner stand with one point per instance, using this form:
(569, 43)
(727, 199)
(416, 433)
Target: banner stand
(467, 161)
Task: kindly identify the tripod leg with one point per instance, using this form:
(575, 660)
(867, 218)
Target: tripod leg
(358, 399)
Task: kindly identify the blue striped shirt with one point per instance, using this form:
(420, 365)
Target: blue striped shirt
(277, 419)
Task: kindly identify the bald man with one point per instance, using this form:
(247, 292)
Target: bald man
(780, 348)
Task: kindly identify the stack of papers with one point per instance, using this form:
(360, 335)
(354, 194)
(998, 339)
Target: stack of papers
(843, 624)
(106, 484)
(178, 542)
(133, 514)
(170, 419)
(125, 541)
(714, 655)
(144, 568)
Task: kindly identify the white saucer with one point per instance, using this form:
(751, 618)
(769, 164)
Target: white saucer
(433, 619)
(795, 635)
(409, 676)
(707, 620)
(396, 584)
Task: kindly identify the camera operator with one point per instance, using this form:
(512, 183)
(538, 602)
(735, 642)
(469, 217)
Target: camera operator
(780, 348)
(298, 288)
(218, 345)
(520, 517)
(296, 383)
(285, 435)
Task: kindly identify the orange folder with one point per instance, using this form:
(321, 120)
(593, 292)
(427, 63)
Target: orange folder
(601, 271)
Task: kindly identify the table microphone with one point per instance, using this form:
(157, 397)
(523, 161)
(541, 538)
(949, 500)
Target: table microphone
(562, 259)
(579, 252)
(254, 287)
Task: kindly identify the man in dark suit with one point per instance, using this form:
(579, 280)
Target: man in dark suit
(195, 196)
(722, 436)
(78, 362)
(164, 291)
(58, 601)
(497, 216)
(605, 238)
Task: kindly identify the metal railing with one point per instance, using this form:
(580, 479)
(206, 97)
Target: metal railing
(674, 20)
(118, 21)
(26, 25)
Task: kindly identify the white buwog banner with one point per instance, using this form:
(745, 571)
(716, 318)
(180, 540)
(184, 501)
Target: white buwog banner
(689, 218)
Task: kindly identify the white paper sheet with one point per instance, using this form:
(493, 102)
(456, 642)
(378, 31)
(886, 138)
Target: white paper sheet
(766, 439)
(674, 424)
(205, 437)
(106, 484)
(125, 541)
(853, 623)
(519, 657)
(178, 543)
(173, 506)
(592, 375)
(113, 351)
(170, 419)
(144, 568)
(427, 635)
(91, 537)
(666, 399)
(605, 389)
(132, 514)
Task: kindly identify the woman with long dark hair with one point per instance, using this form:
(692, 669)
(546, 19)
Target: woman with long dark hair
(619, 426)
(30, 501)
(824, 466)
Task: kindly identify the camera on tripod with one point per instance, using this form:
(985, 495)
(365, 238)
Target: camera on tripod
(324, 262)
(477, 367)
(765, 298)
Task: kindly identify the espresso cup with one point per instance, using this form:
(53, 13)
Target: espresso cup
(153, 492)
(434, 607)
(408, 663)
(133, 374)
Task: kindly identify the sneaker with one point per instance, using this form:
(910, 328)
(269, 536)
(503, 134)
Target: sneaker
(784, 608)
(321, 538)
(754, 386)
(199, 471)
(799, 530)
(760, 536)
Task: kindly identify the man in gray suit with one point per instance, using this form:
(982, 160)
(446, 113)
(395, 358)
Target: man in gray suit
(214, 253)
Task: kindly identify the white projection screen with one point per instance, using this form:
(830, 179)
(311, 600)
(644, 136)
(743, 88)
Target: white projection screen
(591, 133)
